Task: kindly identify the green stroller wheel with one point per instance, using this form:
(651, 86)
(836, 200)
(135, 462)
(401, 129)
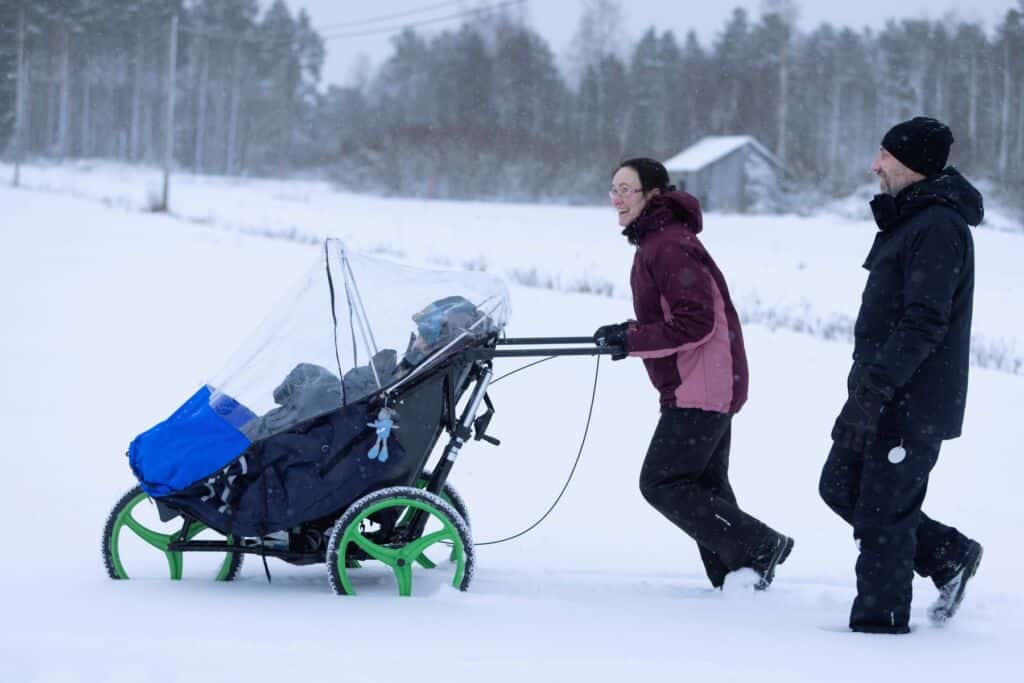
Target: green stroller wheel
(394, 546)
(125, 515)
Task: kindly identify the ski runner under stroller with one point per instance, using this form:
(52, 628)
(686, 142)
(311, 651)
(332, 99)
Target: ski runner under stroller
(314, 444)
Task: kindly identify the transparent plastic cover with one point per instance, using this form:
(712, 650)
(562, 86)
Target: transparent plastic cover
(353, 326)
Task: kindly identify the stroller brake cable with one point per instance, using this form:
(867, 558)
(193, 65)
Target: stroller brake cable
(579, 453)
(520, 369)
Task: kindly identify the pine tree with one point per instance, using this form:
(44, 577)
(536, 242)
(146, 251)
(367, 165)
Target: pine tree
(731, 69)
(644, 95)
(1009, 41)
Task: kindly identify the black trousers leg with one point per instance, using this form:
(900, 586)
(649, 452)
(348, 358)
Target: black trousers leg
(685, 478)
(716, 481)
(882, 500)
(939, 548)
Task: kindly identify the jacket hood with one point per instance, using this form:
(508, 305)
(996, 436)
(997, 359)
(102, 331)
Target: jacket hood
(947, 188)
(665, 209)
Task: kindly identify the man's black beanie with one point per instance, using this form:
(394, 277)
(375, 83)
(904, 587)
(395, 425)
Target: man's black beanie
(921, 144)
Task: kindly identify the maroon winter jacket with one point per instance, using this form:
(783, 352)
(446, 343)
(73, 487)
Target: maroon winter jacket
(686, 328)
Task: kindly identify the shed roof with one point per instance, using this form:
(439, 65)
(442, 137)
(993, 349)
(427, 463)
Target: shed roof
(713, 148)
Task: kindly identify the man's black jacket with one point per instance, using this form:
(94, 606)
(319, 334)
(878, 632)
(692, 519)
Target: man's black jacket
(913, 330)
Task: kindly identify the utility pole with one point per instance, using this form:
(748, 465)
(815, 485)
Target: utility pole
(783, 96)
(65, 88)
(19, 96)
(236, 97)
(172, 62)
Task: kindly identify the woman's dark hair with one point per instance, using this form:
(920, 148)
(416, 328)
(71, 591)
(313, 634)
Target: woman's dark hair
(653, 175)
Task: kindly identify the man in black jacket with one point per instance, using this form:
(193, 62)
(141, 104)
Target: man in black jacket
(908, 384)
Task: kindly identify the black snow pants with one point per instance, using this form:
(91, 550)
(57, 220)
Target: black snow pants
(685, 477)
(882, 500)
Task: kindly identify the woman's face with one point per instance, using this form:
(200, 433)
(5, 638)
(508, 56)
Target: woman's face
(627, 195)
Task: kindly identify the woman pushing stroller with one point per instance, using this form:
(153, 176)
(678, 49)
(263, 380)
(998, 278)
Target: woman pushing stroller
(688, 334)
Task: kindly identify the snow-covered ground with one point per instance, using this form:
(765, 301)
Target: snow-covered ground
(113, 317)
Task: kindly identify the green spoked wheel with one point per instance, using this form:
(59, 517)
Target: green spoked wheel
(446, 532)
(134, 531)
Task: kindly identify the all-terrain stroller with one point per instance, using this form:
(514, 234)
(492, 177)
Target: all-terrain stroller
(313, 445)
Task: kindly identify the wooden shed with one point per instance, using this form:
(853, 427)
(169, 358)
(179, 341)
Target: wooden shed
(728, 173)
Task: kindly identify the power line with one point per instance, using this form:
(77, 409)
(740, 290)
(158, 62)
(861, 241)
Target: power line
(398, 27)
(386, 17)
(394, 28)
(230, 37)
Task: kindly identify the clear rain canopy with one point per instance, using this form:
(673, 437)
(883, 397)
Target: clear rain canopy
(354, 326)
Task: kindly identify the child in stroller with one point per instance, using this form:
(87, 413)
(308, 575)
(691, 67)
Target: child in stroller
(310, 389)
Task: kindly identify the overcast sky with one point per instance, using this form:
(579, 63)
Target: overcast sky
(556, 20)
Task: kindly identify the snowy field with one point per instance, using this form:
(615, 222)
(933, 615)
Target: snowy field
(114, 317)
(789, 272)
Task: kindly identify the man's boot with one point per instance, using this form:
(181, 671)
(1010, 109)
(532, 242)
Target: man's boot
(951, 593)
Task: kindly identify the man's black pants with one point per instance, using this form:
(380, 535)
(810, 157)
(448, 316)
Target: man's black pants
(882, 500)
(685, 477)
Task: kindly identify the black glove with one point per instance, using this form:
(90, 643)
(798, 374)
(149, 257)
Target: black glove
(857, 424)
(613, 336)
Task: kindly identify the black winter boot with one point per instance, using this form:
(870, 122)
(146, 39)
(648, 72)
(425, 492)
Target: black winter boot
(951, 594)
(771, 555)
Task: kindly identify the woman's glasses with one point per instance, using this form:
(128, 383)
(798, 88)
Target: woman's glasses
(622, 192)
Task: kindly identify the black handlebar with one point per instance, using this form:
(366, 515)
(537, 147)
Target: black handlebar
(527, 341)
(585, 347)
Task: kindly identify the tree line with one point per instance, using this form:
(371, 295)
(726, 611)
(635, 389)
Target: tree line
(95, 81)
(487, 109)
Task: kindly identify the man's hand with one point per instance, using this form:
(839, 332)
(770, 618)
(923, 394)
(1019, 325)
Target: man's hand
(857, 424)
(613, 336)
